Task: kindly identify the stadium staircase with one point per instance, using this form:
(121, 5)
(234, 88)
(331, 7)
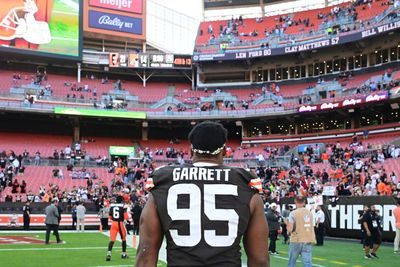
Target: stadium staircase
(29, 89)
(169, 100)
(171, 90)
(261, 99)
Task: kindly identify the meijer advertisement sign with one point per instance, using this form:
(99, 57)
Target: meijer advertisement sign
(132, 6)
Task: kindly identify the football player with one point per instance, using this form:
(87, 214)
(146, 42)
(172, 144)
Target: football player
(204, 209)
(118, 215)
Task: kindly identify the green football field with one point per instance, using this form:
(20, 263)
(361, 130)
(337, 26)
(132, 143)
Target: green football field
(89, 249)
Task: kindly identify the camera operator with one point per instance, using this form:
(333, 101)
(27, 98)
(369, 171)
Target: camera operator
(273, 219)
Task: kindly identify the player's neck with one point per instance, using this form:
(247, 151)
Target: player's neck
(212, 160)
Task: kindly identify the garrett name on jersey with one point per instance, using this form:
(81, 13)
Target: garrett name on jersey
(200, 174)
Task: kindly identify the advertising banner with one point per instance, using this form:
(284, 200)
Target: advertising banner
(100, 113)
(374, 97)
(265, 52)
(131, 6)
(115, 22)
(121, 150)
(46, 26)
(342, 214)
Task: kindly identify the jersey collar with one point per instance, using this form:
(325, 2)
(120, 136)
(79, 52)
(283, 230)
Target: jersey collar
(204, 164)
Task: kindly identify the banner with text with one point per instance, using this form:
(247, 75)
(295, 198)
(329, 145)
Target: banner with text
(265, 52)
(131, 6)
(114, 22)
(342, 214)
(347, 103)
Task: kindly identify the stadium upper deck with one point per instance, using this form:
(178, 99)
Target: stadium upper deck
(299, 27)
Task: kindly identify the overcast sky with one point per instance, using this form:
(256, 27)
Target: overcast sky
(192, 8)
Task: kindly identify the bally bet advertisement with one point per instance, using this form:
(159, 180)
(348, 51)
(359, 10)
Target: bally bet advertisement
(46, 26)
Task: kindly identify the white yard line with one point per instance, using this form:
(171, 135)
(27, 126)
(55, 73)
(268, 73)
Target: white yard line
(65, 12)
(44, 231)
(65, 39)
(162, 256)
(60, 248)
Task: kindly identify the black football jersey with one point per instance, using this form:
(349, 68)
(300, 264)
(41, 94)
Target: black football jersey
(204, 212)
(117, 212)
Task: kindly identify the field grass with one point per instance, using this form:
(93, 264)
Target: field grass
(89, 249)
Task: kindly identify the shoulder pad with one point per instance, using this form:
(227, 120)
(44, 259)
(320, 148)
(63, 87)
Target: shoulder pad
(256, 184)
(149, 184)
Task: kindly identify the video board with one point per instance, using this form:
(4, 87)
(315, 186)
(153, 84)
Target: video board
(52, 27)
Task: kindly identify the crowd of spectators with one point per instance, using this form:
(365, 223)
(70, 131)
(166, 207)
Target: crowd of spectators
(128, 180)
(273, 93)
(78, 92)
(11, 166)
(351, 170)
(330, 21)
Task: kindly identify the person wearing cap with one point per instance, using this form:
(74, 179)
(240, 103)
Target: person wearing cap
(204, 209)
(300, 226)
(274, 226)
(51, 221)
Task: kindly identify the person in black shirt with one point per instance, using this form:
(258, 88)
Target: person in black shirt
(274, 226)
(27, 213)
(371, 222)
(365, 209)
(2, 162)
(74, 217)
(59, 212)
(136, 213)
(204, 209)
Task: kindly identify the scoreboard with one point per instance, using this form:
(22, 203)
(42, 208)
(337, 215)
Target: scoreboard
(142, 60)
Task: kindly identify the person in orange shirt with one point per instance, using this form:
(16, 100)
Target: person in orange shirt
(396, 213)
(339, 173)
(325, 157)
(388, 189)
(282, 175)
(381, 188)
